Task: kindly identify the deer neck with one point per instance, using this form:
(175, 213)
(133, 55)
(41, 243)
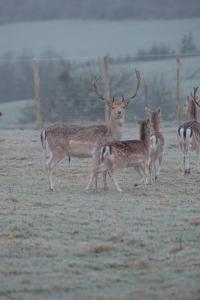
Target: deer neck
(155, 123)
(192, 112)
(146, 141)
(145, 137)
(155, 127)
(115, 126)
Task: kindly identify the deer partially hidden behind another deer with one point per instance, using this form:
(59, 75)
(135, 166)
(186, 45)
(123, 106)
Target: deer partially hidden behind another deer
(130, 153)
(189, 132)
(157, 142)
(80, 140)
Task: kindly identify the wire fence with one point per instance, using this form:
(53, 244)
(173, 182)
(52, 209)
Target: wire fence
(65, 92)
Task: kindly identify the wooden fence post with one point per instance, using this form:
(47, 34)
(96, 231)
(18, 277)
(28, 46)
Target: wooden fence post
(146, 96)
(36, 78)
(178, 62)
(106, 86)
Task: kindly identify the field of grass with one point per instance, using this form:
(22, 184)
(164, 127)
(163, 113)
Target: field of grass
(69, 244)
(12, 113)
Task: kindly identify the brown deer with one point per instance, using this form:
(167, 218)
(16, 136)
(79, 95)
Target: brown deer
(157, 142)
(80, 140)
(189, 132)
(130, 153)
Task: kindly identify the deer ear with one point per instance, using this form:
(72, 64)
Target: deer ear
(126, 103)
(158, 110)
(148, 110)
(188, 99)
(109, 103)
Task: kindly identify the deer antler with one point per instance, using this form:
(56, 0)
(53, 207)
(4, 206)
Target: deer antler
(194, 97)
(96, 90)
(138, 77)
(110, 101)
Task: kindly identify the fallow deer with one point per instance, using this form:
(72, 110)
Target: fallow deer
(189, 132)
(128, 153)
(80, 140)
(157, 142)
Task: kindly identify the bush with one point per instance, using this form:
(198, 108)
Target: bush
(187, 44)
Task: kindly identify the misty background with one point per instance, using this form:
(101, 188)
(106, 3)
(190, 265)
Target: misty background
(70, 38)
(29, 10)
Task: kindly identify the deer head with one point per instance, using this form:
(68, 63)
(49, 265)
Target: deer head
(194, 96)
(155, 116)
(191, 103)
(117, 106)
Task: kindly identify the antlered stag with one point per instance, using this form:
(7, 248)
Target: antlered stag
(80, 140)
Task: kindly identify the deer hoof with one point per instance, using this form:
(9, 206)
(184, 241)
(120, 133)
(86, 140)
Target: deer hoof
(187, 171)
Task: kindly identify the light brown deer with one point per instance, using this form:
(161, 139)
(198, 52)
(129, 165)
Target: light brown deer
(189, 132)
(130, 153)
(157, 143)
(80, 140)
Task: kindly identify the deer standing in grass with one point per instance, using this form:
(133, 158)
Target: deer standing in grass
(80, 140)
(129, 153)
(157, 142)
(189, 132)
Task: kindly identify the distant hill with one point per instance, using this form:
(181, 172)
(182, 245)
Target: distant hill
(23, 10)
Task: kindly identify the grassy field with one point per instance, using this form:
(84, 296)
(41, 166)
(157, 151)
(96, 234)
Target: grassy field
(12, 113)
(69, 244)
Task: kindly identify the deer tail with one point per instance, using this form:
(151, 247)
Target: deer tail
(43, 137)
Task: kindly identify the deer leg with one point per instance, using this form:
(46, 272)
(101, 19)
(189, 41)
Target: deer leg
(50, 166)
(144, 171)
(114, 180)
(147, 172)
(55, 158)
(49, 169)
(141, 173)
(93, 177)
(187, 162)
(198, 160)
(184, 158)
(151, 167)
(94, 180)
(157, 172)
(105, 185)
(95, 170)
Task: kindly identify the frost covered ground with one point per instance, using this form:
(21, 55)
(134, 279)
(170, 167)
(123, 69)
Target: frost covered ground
(69, 244)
